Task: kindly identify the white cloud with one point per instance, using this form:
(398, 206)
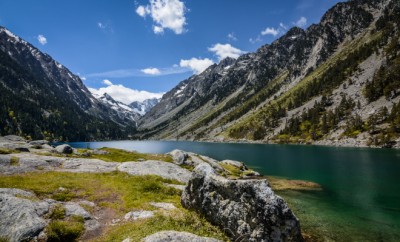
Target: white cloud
(101, 25)
(301, 22)
(166, 14)
(270, 31)
(42, 40)
(256, 40)
(231, 36)
(283, 26)
(142, 11)
(196, 65)
(107, 82)
(151, 71)
(225, 50)
(158, 30)
(124, 94)
(124, 73)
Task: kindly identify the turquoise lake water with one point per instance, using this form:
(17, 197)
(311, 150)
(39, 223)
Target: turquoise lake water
(360, 200)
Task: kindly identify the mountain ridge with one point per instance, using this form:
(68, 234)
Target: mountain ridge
(42, 99)
(214, 104)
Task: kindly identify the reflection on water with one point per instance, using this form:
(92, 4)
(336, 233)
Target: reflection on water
(361, 195)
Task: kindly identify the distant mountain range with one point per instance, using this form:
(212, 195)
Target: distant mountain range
(337, 82)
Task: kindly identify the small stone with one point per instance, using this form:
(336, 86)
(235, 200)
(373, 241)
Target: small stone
(72, 208)
(175, 236)
(64, 149)
(115, 221)
(165, 206)
(135, 215)
(127, 240)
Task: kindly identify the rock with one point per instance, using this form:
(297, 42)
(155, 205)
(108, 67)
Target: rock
(165, 206)
(72, 208)
(234, 163)
(21, 218)
(14, 138)
(88, 165)
(178, 156)
(158, 168)
(22, 149)
(135, 215)
(127, 240)
(99, 152)
(28, 163)
(248, 209)
(92, 224)
(39, 142)
(175, 236)
(179, 187)
(64, 149)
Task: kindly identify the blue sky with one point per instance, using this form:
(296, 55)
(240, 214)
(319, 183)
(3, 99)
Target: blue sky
(151, 45)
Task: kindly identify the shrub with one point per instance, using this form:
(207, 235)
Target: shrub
(64, 231)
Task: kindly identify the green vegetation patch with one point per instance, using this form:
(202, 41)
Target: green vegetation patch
(114, 190)
(69, 230)
(5, 151)
(118, 155)
(14, 161)
(282, 184)
(183, 220)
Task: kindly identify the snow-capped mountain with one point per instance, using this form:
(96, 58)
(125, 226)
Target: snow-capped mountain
(132, 111)
(144, 107)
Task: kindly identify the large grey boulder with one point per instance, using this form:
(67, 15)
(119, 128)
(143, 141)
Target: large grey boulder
(175, 236)
(179, 156)
(158, 168)
(64, 149)
(21, 215)
(247, 209)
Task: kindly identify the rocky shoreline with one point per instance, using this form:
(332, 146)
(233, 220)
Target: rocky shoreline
(236, 200)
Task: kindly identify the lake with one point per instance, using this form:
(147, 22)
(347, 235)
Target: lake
(360, 200)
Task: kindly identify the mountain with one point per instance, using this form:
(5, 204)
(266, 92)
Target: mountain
(144, 107)
(132, 111)
(124, 111)
(336, 82)
(41, 98)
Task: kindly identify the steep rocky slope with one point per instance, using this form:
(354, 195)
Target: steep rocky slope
(41, 98)
(335, 82)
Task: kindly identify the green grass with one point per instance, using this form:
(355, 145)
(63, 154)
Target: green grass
(14, 161)
(115, 190)
(118, 155)
(65, 230)
(5, 151)
(186, 221)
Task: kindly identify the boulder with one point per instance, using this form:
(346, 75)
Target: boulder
(39, 142)
(175, 236)
(14, 138)
(178, 156)
(247, 209)
(158, 168)
(72, 208)
(234, 163)
(21, 215)
(64, 149)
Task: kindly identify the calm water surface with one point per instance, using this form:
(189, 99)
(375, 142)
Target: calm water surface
(360, 200)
